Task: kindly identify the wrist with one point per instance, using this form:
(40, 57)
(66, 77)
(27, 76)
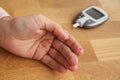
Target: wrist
(4, 28)
(4, 21)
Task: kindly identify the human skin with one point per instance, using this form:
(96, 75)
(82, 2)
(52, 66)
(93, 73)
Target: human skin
(37, 37)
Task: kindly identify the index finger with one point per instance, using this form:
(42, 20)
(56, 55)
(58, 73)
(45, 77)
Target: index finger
(51, 26)
(57, 30)
(74, 45)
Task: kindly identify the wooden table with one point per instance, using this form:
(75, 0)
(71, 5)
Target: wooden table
(101, 60)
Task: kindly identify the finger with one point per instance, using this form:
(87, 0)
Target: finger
(50, 62)
(52, 27)
(74, 46)
(66, 52)
(61, 59)
(58, 57)
(57, 30)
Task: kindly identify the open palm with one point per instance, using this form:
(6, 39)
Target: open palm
(37, 37)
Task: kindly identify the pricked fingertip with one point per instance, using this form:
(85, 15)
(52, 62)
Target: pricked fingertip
(80, 52)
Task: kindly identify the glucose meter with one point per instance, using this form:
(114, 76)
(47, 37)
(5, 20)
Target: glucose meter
(91, 17)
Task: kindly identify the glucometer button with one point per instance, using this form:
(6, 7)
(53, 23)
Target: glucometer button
(89, 21)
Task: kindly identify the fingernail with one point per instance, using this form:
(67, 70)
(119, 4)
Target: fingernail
(74, 68)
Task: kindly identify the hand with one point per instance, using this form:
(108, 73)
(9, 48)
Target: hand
(37, 37)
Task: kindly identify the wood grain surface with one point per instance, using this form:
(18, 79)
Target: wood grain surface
(101, 59)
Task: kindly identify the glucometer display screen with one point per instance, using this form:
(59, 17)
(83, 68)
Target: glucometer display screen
(94, 13)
